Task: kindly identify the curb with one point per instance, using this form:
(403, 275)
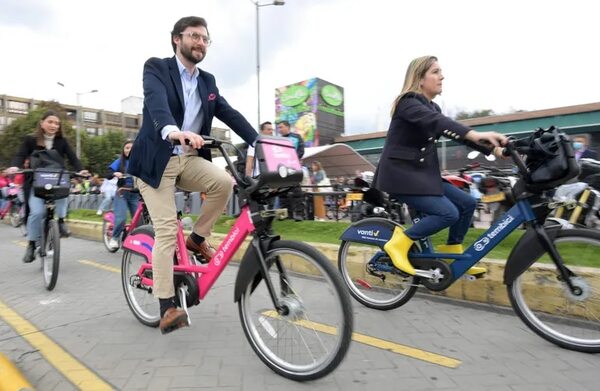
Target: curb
(11, 379)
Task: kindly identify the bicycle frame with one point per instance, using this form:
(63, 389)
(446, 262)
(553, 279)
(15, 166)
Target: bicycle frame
(110, 217)
(520, 213)
(208, 273)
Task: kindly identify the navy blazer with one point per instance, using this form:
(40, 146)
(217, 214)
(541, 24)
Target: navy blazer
(164, 105)
(409, 161)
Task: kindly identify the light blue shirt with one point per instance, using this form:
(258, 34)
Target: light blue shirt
(193, 116)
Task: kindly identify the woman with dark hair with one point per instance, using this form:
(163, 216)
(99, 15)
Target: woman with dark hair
(48, 136)
(124, 199)
(409, 169)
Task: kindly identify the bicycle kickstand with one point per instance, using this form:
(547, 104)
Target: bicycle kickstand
(182, 299)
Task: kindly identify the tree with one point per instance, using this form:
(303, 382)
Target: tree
(474, 114)
(100, 151)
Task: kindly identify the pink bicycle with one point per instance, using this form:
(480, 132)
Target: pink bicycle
(13, 207)
(293, 306)
(140, 217)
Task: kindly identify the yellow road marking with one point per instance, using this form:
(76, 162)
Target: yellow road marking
(361, 338)
(100, 266)
(379, 343)
(77, 373)
(10, 376)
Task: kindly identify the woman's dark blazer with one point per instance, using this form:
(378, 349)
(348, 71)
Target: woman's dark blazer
(409, 161)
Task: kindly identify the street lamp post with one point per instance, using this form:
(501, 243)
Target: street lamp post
(258, 5)
(78, 119)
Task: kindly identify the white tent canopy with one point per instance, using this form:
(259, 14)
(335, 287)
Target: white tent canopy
(337, 160)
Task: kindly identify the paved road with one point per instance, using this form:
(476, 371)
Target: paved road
(83, 333)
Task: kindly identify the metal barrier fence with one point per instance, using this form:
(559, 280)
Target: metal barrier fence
(191, 203)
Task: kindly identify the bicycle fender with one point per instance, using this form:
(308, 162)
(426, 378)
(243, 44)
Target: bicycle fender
(374, 230)
(527, 250)
(249, 269)
(140, 241)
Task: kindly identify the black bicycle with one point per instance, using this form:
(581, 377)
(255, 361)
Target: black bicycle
(50, 184)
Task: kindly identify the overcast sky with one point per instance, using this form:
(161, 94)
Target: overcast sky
(500, 55)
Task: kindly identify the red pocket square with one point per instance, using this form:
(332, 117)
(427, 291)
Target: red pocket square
(212, 96)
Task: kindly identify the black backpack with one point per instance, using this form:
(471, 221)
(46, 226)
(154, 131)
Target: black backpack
(46, 158)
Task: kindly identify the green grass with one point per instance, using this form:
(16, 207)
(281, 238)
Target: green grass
(319, 232)
(329, 232)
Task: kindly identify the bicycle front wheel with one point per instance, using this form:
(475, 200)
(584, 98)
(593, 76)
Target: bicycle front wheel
(371, 277)
(312, 334)
(107, 230)
(544, 302)
(140, 299)
(51, 255)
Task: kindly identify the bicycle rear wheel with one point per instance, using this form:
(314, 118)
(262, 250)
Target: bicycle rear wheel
(543, 301)
(371, 277)
(15, 215)
(139, 297)
(51, 255)
(313, 336)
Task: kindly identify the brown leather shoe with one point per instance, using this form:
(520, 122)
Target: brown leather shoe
(205, 249)
(173, 319)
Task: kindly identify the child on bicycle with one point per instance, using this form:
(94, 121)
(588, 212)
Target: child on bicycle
(409, 169)
(124, 199)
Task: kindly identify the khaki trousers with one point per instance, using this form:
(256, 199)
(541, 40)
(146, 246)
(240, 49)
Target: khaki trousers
(189, 173)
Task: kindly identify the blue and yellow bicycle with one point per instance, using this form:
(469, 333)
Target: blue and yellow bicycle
(564, 307)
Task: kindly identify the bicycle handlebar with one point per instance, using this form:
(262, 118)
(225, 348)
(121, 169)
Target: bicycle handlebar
(71, 173)
(213, 143)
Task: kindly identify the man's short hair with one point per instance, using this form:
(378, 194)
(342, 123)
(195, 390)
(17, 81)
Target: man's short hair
(183, 23)
(284, 122)
(264, 125)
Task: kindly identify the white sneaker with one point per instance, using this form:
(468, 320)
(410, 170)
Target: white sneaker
(113, 243)
(99, 212)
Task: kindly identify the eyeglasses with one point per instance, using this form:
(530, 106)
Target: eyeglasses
(198, 37)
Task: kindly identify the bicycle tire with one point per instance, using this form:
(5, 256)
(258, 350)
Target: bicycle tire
(140, 301)
(107, 228)
(569, 321)
(387, 291)
(304, 277)
(51, 259)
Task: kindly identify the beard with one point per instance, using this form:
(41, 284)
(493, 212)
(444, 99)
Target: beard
(188, 54)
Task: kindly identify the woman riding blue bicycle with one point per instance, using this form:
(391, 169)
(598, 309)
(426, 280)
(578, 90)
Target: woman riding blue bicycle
(409, 169)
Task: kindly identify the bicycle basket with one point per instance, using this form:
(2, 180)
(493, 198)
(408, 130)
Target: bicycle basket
(278, 162)
(51, 184)
(550, 160)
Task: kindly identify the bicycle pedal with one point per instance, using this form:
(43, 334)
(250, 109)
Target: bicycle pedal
(182, 299)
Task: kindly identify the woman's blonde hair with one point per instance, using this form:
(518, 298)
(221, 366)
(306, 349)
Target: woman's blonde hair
(414, 74)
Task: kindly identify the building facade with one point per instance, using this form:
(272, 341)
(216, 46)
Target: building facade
(94, 122)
